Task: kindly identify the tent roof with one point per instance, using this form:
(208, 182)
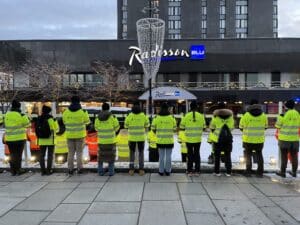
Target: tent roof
(168, 93)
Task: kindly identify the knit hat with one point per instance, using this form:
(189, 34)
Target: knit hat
(290, 104)
(164, 105)
(193, 105)
(105, 106)
(46, 109)
(15, 104)
(75, 99)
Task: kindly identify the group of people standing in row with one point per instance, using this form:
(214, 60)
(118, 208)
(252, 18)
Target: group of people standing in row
(160, 137)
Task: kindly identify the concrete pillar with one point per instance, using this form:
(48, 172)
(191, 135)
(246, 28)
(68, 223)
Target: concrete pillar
(53, 109)
(280, 104)
(242, 80)
(227, 80)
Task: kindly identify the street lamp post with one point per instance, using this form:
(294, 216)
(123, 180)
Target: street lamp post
(150, 37)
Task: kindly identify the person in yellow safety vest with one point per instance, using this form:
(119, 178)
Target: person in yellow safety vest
(75, 120)
(193, 124)
(136, 123)
(221, 125)
(108, 127)
(15, 136)
(122, 145)
(46, 127)
(183, 148)
(153, 151)
(289, 125)
(61, 145)
(164, 126)
(1, 119)
(253, 124)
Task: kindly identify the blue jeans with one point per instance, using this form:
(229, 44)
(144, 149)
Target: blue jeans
(111, 168)
(165, 160)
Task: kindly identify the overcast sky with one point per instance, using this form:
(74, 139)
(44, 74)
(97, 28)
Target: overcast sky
(92, 19)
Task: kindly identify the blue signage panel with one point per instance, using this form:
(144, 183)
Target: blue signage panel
(198, 52)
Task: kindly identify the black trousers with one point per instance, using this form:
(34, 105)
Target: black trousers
(16, 151)
(284, 160)
(227, 156)
(140, 145)
(50, 152)
(183, 157)
(193, 157)
(153, 155)
(249, 147)
(285, 148)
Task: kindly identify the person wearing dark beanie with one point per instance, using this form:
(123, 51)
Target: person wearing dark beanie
(192, 124)
(164, 126)
(15, 136)
(288, 127)
(15, 104)
(75, 120)
(290, 104)
(45, 129)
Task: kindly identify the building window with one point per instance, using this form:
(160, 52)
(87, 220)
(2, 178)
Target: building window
(241, 13)
(155, 4)
(222, 18)
(204, 18)
(174, 19)
(124, 19)
(275, 18)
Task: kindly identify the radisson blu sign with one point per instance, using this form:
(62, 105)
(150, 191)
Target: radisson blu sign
(196, 52)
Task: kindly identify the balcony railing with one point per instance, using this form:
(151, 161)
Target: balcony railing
(232, 85)
(193, 86)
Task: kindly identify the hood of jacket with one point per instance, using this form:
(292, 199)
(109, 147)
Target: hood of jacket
(104, 115)
(223, 113)
(74, 107)
(255, 110)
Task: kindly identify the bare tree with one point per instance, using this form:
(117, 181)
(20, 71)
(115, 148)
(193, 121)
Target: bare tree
(47, 79)
(115, 80)
(7, 92)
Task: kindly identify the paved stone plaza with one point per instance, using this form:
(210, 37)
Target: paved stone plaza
(88, 199)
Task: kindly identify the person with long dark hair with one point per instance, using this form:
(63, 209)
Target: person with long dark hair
(193, 124)
(46, 128)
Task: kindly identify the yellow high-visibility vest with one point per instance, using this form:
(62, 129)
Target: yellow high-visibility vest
(193, 127)
(182, 140)
(15, 125)
(288, 126)
(75, 123)
(107, 130)
(136, 125)
(164, 128)
(253, 128)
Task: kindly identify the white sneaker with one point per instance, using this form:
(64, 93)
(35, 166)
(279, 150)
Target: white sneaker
(227, 174)
(217, 174)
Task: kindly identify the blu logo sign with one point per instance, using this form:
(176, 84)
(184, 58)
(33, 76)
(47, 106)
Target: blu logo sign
(197, 52)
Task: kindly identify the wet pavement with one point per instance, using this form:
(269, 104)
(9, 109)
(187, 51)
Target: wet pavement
(87, 199)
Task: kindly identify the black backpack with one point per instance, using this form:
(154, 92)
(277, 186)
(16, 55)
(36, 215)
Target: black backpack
(225, 137)
(42, 128)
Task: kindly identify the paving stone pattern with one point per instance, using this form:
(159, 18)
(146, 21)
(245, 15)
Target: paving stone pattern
(88, 199)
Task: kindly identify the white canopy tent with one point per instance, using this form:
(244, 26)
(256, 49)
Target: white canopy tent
(167, 94)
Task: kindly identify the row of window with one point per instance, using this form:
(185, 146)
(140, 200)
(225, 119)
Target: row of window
(275, 18)
(124, 19)
(174, 23)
